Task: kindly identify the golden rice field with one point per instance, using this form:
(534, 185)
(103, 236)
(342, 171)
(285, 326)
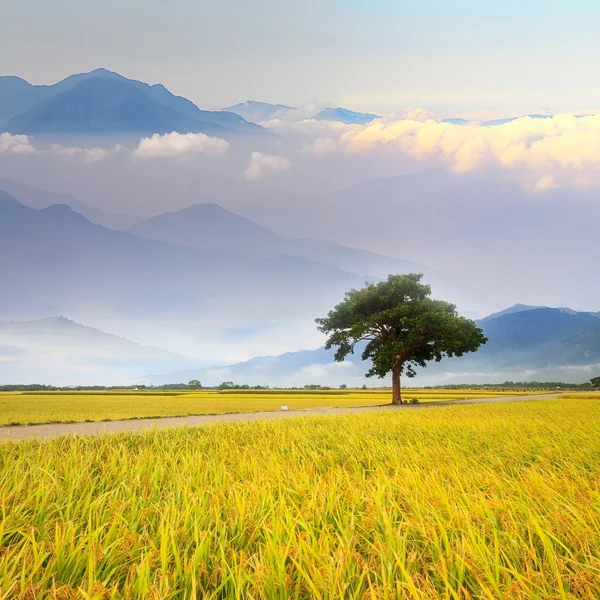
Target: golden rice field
(69, 407)
(582, 395)
(483, 501)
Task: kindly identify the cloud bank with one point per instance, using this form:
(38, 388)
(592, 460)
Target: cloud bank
(87, 155)
(322, 146)
(263, 164)
(170, 145)
(173, 145)
(558, 151)
(16, 144)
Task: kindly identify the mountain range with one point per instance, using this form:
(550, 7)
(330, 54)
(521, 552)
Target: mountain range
(343, 115)
(58, 351)
(102, 101)
(198, 275)
(205, 226)
(208, 226)
(86, 267)
(524, 344)
(205, 263)
(257, 112)
(438, 218)
(38, 199)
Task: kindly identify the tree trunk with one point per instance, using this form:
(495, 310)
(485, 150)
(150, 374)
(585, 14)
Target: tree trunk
(396, 390)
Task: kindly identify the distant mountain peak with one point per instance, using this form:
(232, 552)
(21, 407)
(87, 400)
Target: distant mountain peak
(14, 79)
(257, 112)
(526, 345)
(204, 225)
(59, 319)
(515, 308)
(6, 197)
(104, 101)
(519, 308)
(344, 115)
(62, 210)
(103, 71)
(38, 199)
(257, 104)
(98, 72)
(208, 206)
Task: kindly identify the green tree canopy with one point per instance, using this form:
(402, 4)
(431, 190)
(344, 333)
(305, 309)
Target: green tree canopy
(595, 382)
(402, 325)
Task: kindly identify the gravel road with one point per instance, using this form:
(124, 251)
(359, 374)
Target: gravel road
(51, 430)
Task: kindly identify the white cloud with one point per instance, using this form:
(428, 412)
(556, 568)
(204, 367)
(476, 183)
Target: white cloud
(173, 145)
(312, 127)
(559, 151)
(16, 144)
(420, 115)
(291, 116)
(23, 144)
(87, 155)
(263, 164)
(321, 147)
(168, 145)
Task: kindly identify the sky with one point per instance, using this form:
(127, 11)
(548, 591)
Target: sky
(507, 212)
(458, 57)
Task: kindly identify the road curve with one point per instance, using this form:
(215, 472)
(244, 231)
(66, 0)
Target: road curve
(51, 430)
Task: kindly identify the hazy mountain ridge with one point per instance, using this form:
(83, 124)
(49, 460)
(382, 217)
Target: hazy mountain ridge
(343, 115)
(104, 105)
(525, 307)
(264, 111)
(438, 218)
(6, 197)
(531, 345)
(56, 262)
(105, 102)
(38, 199)
(57, 350)
(211, 226)
(257, 112)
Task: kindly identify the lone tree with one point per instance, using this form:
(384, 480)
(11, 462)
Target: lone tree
(595, 382)
(402, 325)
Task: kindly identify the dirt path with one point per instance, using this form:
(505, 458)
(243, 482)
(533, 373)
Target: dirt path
(22, 432)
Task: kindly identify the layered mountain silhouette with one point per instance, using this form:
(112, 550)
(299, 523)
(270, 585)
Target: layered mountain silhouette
(206, 226)
(38, 199)
(6, 197)
(436, 217)
(263, 111)
(536, 344)
(517, 308)
(345, 116)
(54, 261)
(18, 95)
(59, 351)
(257, 112)
(493, 122)
(105, 102)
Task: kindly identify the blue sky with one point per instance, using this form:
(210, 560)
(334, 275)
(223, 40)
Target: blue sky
(447, 56)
